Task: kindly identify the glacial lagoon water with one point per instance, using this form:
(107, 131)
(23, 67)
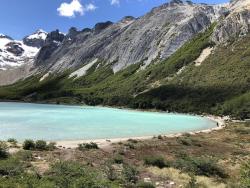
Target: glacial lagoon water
(59, 122)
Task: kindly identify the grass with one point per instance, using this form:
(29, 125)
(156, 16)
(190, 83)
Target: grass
(94, 168)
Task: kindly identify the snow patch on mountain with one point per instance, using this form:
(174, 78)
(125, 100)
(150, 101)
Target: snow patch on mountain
(39, 34)
(14, 53)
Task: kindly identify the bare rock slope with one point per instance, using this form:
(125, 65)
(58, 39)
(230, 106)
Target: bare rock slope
(147, 39)
(236, 24)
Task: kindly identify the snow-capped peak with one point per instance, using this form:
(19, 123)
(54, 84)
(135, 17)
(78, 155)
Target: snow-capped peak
(14, 53)
(39, 34)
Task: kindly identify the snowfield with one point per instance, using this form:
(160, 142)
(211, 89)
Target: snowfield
(14, 53)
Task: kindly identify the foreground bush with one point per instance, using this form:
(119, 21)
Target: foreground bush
(24, 155)
(29, 145)
(245, 175)
(91, 145)
(12, 141)
(3, 150)
(145, 185)
(130, 174)
(11, 167)
(199, 166)
(157, 161)
(40, 145)
(73, 174)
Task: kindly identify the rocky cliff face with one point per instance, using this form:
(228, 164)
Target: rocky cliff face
(152, 37)
(235, 24)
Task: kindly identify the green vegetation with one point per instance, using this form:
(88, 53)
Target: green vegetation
(61, 174)
(154, 162)
(3, 150)
(72, 174)
(118, 159)
(199, 166)
(245, 175)
(39, 145)
(145, 185)
(158, 161)
(88, 146)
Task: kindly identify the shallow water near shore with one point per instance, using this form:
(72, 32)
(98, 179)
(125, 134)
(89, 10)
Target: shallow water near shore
(60, 122)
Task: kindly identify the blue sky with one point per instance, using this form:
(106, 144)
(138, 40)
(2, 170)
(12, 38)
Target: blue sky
(21, 17)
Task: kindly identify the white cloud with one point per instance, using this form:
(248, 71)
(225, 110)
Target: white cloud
(73, 8)
(115, 2)
(90, 7)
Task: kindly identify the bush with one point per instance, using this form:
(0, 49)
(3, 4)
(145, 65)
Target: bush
(41, 145)
(3, 150)
(130, 145)
(192, 183)
(11, 167)
(73, 174)
(245, 175)
(160, 137)
(12, 141)
(185, 141)
(29, 145)
(91, 145)
(133, 141)
(145, 185)
(130, 174)
(118, 159)
(24, 155)
(158, 161)
(51, 146)
(199, 166)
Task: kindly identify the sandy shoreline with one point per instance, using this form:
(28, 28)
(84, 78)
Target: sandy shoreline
(102, 143)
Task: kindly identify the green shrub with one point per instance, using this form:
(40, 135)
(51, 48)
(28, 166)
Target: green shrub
(130, 173)
(41, 145)
(160, 137)
(51, 146)
(11, 167)
(245, 175)
(24, 155)
(145, 185)
(73, 174)
(3, 150)
(158, 161)
(90, 145)
(29, 145)
(185, 141)
(130, 145)
(12, 141)
(118, 159)
(199, 166)
(133, 141)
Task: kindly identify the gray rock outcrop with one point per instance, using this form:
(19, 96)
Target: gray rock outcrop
(152, 37)
(236, 24)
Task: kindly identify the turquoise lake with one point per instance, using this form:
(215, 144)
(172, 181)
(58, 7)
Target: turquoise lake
(59, 122)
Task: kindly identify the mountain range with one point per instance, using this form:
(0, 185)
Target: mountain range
(180, 56)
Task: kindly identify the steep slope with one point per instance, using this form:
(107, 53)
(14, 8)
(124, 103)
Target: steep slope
(150, 38)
